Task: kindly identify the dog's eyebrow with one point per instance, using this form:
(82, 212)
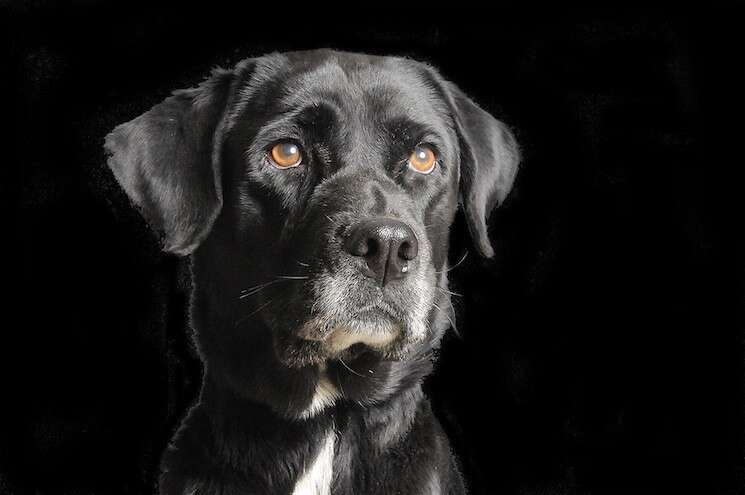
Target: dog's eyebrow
(316, 120)
(312, 115)
(408, 132)
(310, 122)
(318, 112)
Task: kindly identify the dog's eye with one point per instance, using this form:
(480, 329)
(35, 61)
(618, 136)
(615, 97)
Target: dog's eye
(422, 159)
(285, 155)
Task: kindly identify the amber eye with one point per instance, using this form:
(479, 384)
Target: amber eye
(285, 155)
(422, 159)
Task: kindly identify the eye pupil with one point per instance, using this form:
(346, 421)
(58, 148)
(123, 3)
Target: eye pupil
(289, 149)
(422, 159)
(285, 155)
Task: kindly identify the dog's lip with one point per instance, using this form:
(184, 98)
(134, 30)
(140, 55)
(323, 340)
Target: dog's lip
(342, 339)
(372, 328)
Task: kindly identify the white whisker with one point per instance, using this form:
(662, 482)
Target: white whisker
(455, 265)
(244, 318)
(452, 323)
(450, 292)
(350, 369)
(257, 288)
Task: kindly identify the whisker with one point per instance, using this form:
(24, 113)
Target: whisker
(452, 323)
(465, 255)
(453, 313)
(350, 369)
(306, 265)
(244, 318)
(257, 288)
(450, 292)
(341, 389)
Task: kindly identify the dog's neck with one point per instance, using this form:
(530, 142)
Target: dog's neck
(300, 455)
(235, 419)
(251, 440)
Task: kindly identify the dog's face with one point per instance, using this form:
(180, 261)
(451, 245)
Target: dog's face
(349, 169)
(317, 189)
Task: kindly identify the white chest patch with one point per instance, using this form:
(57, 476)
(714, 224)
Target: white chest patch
(317, 477)
(325, 396)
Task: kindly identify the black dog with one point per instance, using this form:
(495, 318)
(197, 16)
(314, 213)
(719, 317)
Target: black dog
(314, 192)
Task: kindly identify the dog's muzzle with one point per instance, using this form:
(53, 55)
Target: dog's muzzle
(370, 287)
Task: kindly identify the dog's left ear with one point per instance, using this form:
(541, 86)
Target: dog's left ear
(489, 156)
(167, 161)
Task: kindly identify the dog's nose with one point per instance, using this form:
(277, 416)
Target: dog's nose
(387, 246)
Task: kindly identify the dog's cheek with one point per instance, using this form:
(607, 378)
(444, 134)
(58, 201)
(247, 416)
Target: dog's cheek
(249, 215)
(439, 216)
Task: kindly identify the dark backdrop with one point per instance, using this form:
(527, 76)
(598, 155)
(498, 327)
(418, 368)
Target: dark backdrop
(602, 349)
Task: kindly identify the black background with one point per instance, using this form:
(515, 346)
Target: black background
(602, 349)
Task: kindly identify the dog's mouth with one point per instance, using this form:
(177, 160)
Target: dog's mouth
(373, 329)
(374, 332)
(343, 339)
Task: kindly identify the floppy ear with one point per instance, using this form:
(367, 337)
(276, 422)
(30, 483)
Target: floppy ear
(489, 156)
(167, 161)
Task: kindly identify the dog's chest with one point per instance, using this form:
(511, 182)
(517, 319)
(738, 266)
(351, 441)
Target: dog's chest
(318, 474)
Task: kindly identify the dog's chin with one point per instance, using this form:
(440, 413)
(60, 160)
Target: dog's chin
(369, 333)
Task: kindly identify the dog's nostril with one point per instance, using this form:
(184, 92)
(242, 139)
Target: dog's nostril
(359, 244)
(371, 248)
(408, 250)
(387, 246)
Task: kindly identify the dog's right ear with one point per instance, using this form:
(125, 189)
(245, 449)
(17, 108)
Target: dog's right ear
(167, 161)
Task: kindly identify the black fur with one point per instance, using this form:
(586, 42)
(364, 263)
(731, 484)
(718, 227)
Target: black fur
(271, 280)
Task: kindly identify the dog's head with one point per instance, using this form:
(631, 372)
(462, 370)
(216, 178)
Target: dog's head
(316, 190)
